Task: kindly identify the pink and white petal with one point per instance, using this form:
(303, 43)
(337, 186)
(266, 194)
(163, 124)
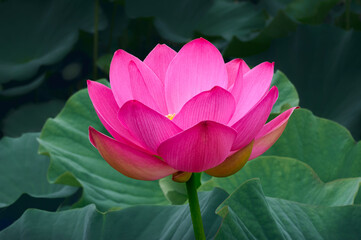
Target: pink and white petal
(232, 70)
(270, 133)
(197, 67)
(147, 125)
(121, 83)
(216, 105)
(139, 88)
(159, 59)
(107, 110)
(129, 161)
(199, 148)
(248, 126)
(256, 83)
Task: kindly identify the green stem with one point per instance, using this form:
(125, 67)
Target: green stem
(95, 42)
(195, 209)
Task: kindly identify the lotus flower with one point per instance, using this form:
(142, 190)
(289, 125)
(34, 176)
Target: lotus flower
(184, 112)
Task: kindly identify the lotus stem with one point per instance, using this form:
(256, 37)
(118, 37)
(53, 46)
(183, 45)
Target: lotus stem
(195, 209)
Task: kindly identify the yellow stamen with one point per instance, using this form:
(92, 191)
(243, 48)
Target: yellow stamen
(170, 116)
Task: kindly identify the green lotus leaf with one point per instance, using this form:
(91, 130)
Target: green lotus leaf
(74, 161)
(23, 171)
(139, 222)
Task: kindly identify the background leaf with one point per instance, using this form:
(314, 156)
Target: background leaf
(57, 22)
(74, 161)
(293, 180)
(327, 147)
(321, 61)
(24, 171)
(141, 222)
(288, 96)
(30, 117)
(248, 214)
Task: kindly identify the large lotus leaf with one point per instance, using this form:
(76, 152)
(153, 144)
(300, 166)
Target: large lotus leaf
(38, 33)
(23, 171)
(178, 20)
(293, 180)
(307, 11)
(277, 26)
(248, 214)
(327, 147)
(228, 18)
(75, 161)
(23, 89)
(321, 62)
(140, 222)
(30, 117)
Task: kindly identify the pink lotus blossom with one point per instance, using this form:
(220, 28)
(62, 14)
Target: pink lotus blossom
(187, 111)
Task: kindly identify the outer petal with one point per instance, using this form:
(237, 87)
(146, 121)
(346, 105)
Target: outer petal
(270, 133)
(107, 110)
(216, 105)
(147, 125)
(120, 80)
(129, 161)
(159, 58)
(199, 148)
(232, 70)
(248, 126)
(197, 67)
(256, 83)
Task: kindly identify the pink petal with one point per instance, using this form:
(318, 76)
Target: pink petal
(256, 83)
(120, 80)
(248, 126)
(147, 125)
(197, 67)
(199, 148)
(270, 133)
(159, 58)
(107, 111)
(129, 161)
(232, 70)
(216, 105)
(139, 88)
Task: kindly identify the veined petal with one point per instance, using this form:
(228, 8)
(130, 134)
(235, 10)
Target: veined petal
(139, 88)
(147, 125)
(159, 59)
(232, 70)
(120, 80)
(270, 133)
(256, 82)
(216, 105)
(197, 67)
(199, 148)
(248, 126)
(107, 110)
(129, 161)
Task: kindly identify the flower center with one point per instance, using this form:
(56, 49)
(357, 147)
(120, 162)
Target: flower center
(170, 116)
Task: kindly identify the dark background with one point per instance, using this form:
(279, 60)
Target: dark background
(48, 49)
